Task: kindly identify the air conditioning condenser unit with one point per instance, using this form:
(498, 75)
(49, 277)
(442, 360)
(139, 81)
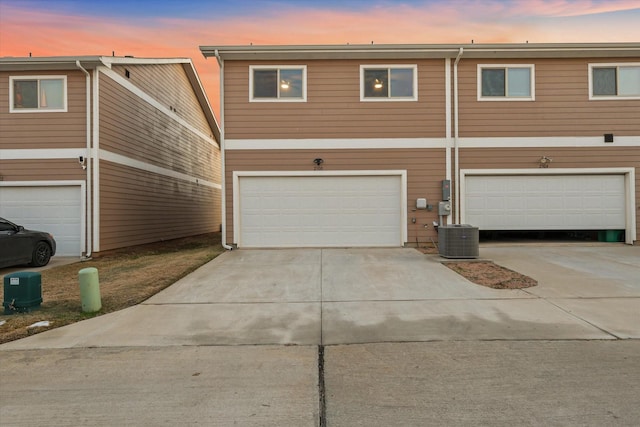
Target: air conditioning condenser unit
(458, 241)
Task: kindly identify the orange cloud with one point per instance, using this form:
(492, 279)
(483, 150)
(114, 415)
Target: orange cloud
(48, 33)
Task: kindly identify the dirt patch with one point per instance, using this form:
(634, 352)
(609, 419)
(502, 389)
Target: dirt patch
(492, 275)
(127, 277)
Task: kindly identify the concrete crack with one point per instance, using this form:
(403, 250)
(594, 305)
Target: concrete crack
(321, 391)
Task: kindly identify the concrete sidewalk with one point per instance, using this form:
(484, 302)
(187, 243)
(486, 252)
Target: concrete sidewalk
(346, 296)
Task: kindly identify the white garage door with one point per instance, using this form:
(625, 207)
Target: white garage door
(314, 211)
(56, 210)
(545, 202)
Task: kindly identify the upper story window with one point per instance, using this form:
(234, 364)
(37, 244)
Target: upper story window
(278, 83)
(506, 82)
(614, 81)
(388, 83)
(38, 94)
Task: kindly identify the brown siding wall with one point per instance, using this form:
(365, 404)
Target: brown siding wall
(139, 207)
(41, 170)
(44, 129)
(517, 158)
(333, 108)
(425, 170)
(132, 128)
(169, 85)
(561, 107)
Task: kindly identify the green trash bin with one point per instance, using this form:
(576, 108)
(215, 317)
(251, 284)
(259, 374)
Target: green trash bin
(22, 292)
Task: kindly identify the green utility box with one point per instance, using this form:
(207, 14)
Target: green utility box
(22, 292)
(611, 236)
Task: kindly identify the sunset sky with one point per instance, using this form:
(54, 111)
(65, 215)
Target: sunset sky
(175, 28)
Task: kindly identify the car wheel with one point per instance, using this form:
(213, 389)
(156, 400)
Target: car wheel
(41, 255)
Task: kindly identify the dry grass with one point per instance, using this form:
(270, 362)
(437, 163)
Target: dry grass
(127, 277)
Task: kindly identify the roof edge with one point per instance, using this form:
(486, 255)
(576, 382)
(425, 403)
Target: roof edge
(420, 50)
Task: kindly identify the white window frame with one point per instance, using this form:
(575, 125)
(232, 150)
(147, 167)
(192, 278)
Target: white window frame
(38, 109)
(389, 67)
(278, 67)
(617, 66)
(507, 98)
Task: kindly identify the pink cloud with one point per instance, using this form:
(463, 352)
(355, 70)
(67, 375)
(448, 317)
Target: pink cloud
(45, 33)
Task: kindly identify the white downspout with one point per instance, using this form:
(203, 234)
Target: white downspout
(89, 216)
(455, 136)
(222, 155)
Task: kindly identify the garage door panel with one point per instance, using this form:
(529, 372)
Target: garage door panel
(320, 211)
(54, 209)
(545, 202)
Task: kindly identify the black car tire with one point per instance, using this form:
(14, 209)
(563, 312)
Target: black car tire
(41, 255)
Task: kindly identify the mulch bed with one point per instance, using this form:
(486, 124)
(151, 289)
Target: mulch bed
(489, 274)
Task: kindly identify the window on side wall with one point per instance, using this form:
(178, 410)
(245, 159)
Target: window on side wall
(388, 83)
(614, 81)
(38, 94)
(277, 83)
(506, 82)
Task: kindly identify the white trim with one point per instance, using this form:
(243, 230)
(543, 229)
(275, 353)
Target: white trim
(65, 107)
(278, 68)
(147, 167)
(400, 172)
(95, 181)
(389, 67)
(124, 60)
(42, 153)
(560, 141)
(447, 97)
(151, 101)
(532, 82)
(630, 187)
(334, 144)
(63, 183)
(617, 65)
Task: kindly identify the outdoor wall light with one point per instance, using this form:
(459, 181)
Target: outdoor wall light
(544, 161)
(318, 161)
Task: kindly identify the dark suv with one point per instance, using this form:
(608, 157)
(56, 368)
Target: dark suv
(19, 246)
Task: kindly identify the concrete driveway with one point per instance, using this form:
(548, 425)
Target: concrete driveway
(346, 296)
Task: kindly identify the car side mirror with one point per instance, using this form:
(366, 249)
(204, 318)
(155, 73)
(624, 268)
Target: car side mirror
(20, 228)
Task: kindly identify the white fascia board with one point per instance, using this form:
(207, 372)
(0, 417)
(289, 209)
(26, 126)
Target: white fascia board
(147, 167)
(108, 60)
(561, 141)
(347, 143)
(151, 101)
(43, 153)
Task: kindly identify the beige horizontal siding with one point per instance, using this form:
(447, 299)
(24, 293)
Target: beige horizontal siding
(45, 129)
(132, 128)
(425, 171)
(333, 108)
(169, 85)
(138, 207)
(41, 170)
(523, 158)
(561, 107)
